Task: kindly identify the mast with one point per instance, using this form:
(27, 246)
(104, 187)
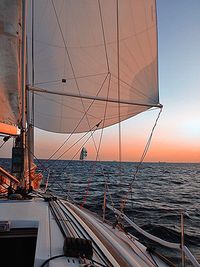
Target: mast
(19, 152)
(23, 73)
(30, 103)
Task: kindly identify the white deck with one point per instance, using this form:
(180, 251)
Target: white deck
(118, 248)
(36, 213)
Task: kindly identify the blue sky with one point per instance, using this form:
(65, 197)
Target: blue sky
(179, 69)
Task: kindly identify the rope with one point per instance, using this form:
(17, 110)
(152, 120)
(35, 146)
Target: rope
(98, 149)
(104, 38)
(85, 113)
(54, 257)
(47, 170)
(72, 68)
(124, 200)
(70, 61)
(40, 163)
(118, 86)
(75, 155)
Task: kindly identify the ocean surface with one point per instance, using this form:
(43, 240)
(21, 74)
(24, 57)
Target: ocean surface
(160, 192)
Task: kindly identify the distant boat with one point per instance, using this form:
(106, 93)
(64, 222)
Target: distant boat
(83, 154)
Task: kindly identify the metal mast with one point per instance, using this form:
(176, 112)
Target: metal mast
(19, 151)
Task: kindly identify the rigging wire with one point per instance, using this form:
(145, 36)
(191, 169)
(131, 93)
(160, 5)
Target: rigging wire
(85, 114)
(66, 48)
(75, 144)
(98, 149)
(104, 37)
(119, 91)
(108, 75)
(69, 147)
(47, 170)
(40, 163)
(91, 133)
(69, 58)
(72, 67)
(70, 61)
(124, 200)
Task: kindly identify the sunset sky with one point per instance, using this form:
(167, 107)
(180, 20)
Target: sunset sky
(177, 135)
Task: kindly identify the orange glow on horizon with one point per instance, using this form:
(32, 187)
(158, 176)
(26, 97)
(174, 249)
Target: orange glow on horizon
(164, 151)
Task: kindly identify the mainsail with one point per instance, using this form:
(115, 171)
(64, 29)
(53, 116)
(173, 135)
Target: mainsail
(9, 66)
(91, 56)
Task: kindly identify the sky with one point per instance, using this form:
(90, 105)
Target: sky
(177, 134)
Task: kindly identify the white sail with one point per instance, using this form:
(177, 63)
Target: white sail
(87, 52)
(9, 65)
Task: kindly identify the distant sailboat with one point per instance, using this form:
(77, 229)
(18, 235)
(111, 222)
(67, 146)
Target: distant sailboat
(83, 153)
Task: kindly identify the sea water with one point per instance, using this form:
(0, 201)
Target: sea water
(160, 192)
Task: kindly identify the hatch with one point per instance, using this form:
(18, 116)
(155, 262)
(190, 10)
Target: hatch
(18, 246)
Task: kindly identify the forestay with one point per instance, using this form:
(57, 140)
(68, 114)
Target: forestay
(105, 51)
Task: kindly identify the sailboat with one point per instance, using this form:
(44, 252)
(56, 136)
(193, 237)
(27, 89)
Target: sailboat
(71, 66)
(83, 154)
